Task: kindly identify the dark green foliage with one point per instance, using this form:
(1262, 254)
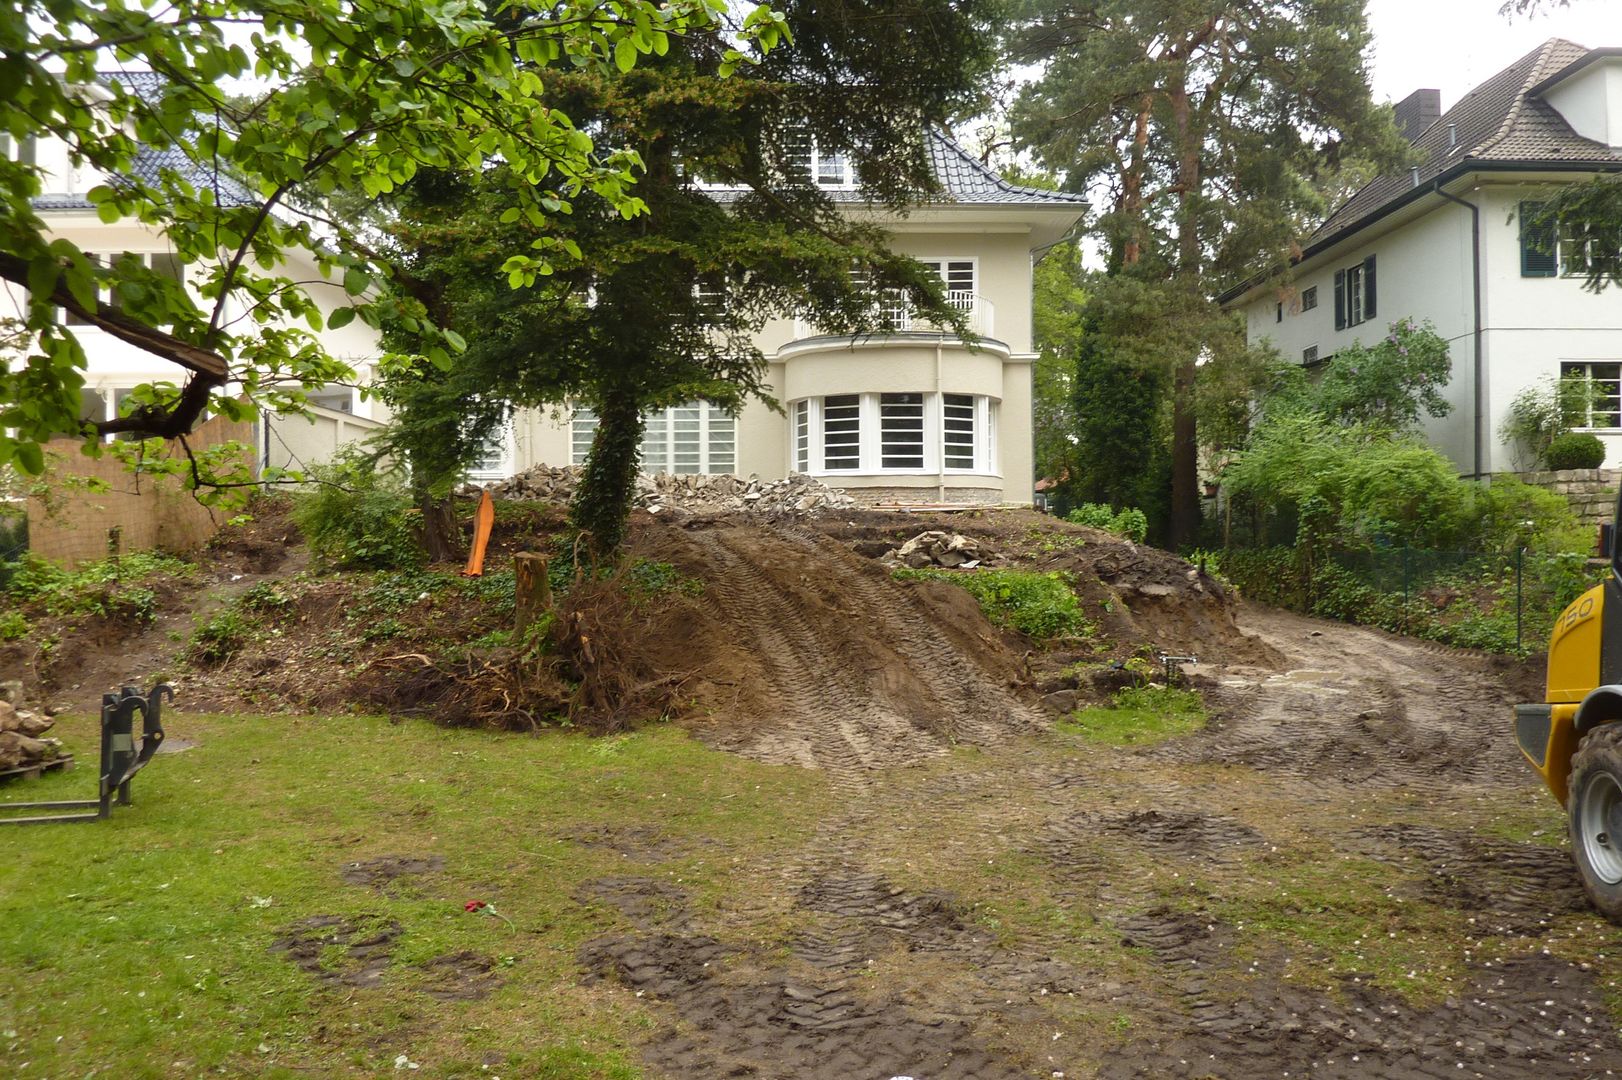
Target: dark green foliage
(1575, 450)
(359, 516)
(221, 636)
(115, 588)
(631, 316)
(1388, 384)
(1040, 606)
(1120, 438)
(1129, 523)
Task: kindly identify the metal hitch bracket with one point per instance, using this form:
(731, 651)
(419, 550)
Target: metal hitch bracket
(121, 759)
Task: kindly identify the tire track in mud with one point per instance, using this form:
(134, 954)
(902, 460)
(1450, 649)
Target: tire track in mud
(835, 707)
(1363, 707)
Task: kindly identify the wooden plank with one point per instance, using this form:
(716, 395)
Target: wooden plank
(34, 771)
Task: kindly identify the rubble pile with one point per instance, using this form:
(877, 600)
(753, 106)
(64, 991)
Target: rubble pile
(938, 548)
(695, 493)
(21, 745)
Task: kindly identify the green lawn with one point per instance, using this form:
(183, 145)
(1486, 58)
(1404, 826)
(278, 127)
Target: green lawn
(142, 945)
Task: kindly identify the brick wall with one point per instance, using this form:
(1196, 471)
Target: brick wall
(1591, 492)
(70, 525)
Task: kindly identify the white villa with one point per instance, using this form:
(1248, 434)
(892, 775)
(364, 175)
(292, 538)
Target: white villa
(1445, 242)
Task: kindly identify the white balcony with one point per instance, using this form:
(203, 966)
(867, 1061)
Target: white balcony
(894, 313)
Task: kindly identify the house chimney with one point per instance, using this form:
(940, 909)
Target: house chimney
(1418, 111)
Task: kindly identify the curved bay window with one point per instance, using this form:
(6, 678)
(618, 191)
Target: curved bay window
(894, 433)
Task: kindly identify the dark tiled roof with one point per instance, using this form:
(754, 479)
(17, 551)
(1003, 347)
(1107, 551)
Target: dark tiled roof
(963, 179)
(1500, 123)
(151, 162)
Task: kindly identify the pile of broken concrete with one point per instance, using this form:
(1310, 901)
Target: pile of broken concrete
(938, 548)
(796, 495)
(21, 745)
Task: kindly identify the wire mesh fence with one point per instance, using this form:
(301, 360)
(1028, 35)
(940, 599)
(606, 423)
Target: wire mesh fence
(1505, 602)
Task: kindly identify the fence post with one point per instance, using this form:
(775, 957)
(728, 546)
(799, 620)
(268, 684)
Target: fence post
(1520, 561)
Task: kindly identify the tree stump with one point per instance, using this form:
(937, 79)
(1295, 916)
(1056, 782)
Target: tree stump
(533, 588)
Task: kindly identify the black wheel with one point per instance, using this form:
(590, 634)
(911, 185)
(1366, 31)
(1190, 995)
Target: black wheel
(1594, 810)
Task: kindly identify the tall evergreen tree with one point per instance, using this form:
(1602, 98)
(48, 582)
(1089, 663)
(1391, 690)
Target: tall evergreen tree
(664, 308)
(1203, 123)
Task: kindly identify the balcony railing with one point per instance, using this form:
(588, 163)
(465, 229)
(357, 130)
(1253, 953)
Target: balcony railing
(894, 313)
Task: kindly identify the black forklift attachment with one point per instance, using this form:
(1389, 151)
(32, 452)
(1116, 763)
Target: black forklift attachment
(120, 759)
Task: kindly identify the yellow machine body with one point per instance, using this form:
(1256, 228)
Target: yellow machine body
(1548, 734)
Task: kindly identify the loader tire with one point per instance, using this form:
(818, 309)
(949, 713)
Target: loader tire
(1594, 816)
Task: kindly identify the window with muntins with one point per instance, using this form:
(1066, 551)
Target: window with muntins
(842, 432)
(1604, 409)
(901, 431)
(802, 437)
(1309, 298)
(1539, 257)
(695, 437)
(1588, 251)
(1354, 294)
(957, 430)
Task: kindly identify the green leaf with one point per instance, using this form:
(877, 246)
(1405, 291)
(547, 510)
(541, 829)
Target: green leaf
(356, 281)
(624, 54)
(340, 318)
(510, 215)
(30, 458)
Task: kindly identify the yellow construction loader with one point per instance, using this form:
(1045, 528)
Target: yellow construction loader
(1574, 738)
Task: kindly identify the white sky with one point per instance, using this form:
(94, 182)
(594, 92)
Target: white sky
(1454, 45)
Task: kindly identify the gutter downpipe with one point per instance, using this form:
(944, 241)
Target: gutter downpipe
(940, 403)
(1475, 272)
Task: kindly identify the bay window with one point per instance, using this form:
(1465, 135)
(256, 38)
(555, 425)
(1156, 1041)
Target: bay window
(920, 433)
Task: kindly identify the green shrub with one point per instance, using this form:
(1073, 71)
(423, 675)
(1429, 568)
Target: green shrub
(221, 637)
(1508, 514)
(266, 597)
(359, 516)
(1130, 523)
(1041, 606)
(1575, 450)
(112, 588)
(1141, 715)
(13, 626)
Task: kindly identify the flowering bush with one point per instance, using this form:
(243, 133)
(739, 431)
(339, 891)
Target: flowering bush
(1391, 383)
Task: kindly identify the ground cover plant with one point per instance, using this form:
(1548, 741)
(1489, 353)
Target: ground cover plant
(1042, 606)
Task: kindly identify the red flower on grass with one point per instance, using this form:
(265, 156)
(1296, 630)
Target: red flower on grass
(474, 905)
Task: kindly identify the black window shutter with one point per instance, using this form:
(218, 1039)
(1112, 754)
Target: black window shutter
(1340, 299)
(1368, 287)
(1279, 314)
(1537, 243)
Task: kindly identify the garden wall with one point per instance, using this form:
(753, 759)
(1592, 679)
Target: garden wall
(70, 525)
(1591, 492)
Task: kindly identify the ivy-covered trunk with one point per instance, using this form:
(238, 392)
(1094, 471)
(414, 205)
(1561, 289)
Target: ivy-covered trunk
(602, 502)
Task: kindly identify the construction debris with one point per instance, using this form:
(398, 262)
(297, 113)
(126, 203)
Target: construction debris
(938, 548)
(21, 746)
(695, 493)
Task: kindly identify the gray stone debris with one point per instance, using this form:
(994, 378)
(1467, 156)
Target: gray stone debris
(938, 548)
(796, 495)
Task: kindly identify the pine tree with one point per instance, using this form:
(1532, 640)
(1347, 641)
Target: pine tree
(1203, 123)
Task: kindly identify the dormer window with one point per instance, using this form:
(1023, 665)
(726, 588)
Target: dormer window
(829, 168)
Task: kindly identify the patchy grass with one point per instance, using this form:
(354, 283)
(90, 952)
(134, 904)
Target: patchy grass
(1140, 716)
(143, 945)
(1042, 606)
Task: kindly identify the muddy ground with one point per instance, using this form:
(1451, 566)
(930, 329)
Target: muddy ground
(1349, 873)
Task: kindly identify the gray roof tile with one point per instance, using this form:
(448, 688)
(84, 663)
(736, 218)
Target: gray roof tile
(1498, 123)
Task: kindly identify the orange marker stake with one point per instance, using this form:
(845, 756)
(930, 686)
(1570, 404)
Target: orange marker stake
(484, 519)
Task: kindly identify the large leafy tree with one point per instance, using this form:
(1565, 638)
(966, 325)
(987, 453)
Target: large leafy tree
(665, 308)
(1194, 124)
(341, 94)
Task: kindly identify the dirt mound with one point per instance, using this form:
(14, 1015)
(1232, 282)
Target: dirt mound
(1138, 595)
(813, 656)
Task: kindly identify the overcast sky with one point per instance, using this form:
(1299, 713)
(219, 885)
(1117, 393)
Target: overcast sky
(1453, 45)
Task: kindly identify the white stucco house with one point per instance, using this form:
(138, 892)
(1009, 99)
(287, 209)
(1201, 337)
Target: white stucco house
(1446, 242)
(114, 367)
(913, 415)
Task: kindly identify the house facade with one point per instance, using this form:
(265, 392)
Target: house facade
(1449, 241)
(911, 415)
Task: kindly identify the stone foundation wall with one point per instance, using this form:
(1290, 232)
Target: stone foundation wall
(915, 496)
(1591, 492)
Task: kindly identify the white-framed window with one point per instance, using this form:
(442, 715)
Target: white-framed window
(160, 262)
(494, 459)
(1604, 410)
(802, 436)
(960, 277)
(959, 415)
(1309, 298)
(901, 431)
(695, 437)
(23, 151)
(915, 433)
(1588, 251)
(842, 432)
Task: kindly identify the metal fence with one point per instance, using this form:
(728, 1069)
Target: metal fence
(1504, 602)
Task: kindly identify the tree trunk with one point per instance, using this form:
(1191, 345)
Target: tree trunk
(602, 502)
(441, 536)
(1185, 463)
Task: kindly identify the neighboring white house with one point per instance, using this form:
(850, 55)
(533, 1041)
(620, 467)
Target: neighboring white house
(114, 367)
(911, 415)
(1446, 242)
